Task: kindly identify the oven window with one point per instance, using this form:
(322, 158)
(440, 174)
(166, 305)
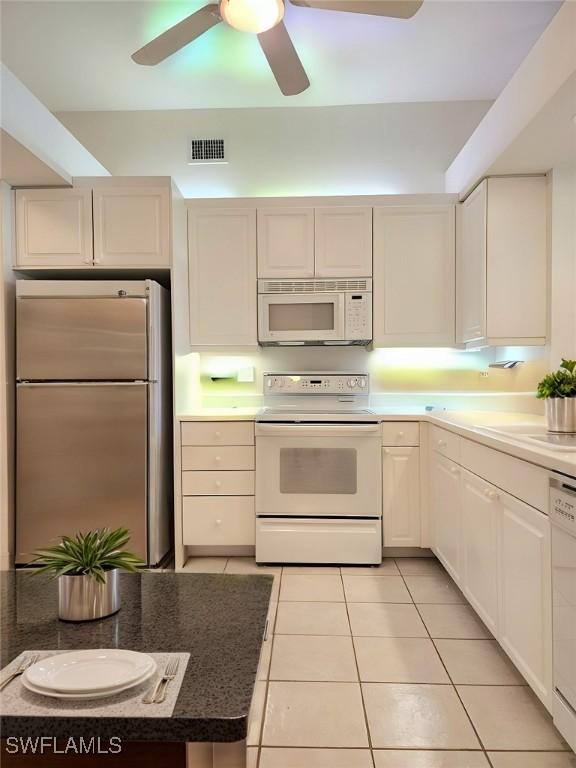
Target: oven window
(301, 317)
(318, 470)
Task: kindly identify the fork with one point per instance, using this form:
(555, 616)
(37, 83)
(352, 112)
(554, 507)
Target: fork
(170, 671)
(24, 664)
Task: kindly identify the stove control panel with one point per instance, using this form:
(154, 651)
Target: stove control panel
(321, 383)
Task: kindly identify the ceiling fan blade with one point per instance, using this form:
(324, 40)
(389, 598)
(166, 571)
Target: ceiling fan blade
(284, 61)
(178, 36)
(399, 9)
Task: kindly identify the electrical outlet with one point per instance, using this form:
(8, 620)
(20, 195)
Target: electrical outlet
(483, 374)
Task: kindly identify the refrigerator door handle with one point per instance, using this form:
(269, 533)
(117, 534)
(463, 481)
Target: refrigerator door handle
(81, 383)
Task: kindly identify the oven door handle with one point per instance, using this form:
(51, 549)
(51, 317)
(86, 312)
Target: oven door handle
(317, 430)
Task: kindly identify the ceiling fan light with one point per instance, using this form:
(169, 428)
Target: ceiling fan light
(252, 15)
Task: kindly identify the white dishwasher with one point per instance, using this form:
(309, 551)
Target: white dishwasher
(563, 520)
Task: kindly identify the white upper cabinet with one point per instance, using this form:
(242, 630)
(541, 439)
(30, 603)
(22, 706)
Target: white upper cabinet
(53, 227)
(343, 242)
(502, 263)
(314, 242)
(414, 276)
(132, 226)
(471, 267)
(286, 243)
(222, 272)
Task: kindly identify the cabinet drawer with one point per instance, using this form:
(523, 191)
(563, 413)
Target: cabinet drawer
(228, 521)
(235, 457)
(399, 433)
(520, 478)
(217, 433)
(206, 483)
(445, 443)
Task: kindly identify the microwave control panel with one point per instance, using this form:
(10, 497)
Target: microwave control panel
(358, 315)
(305, 384)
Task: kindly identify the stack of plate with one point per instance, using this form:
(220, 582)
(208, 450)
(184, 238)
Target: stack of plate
(92, 674)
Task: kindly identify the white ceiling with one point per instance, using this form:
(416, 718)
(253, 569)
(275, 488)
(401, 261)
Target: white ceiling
(76, 55)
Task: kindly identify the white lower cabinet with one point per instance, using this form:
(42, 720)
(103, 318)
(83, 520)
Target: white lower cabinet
(219, 521)
(525, 592)
(497, 548)
(480, 512)
(446, 503)
(401, 496)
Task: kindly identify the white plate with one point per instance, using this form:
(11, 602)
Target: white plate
(89, 671)
(95, 695)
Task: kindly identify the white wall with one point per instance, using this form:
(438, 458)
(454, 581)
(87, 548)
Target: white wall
(7, 375)
(367, 149)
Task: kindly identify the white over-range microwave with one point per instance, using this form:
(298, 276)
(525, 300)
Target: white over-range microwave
(331, 311)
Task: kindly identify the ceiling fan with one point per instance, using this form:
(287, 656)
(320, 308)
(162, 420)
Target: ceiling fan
(265, 19)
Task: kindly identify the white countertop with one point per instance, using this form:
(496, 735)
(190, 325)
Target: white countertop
(468, 424)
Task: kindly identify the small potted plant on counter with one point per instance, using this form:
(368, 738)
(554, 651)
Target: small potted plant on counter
(87, 566)
(558, 390)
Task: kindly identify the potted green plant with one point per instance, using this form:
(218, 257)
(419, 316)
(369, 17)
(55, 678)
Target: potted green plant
(87, 566)
(558, 390)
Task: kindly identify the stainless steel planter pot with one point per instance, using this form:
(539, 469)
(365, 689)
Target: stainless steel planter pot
(82, 598)
(561, 414)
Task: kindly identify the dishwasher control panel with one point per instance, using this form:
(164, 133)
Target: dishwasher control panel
(307, 384)
(563, 504)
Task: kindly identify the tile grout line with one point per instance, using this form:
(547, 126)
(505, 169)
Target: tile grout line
(272, 630)
(368, 733)
(484, 751)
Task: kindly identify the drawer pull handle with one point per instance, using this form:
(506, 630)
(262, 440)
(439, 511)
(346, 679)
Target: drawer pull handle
(218, 522)
(218, 434)
(386, 450)
(218, 484)
(441, 443)
(492, 495)
(400, 434)
(217, 459)
(454, 470)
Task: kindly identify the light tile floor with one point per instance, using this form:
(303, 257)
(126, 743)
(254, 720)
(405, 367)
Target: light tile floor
(387, 667)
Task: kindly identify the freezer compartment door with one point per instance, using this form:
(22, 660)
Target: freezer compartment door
(309, 540)
(81, 339)
(81, 462)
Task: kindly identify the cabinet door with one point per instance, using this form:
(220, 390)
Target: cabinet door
(414, 276)
(480, 512)
(471, 266)
(401, 497)
(53, 227)
(132, 227)
(525, 621)
(222, 273)
(343, 242)
(516, 258)
(286, 243)
(446, 503)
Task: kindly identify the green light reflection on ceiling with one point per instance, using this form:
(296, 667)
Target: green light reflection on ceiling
(221, 49)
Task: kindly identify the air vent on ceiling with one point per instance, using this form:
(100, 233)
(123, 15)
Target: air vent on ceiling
(207, 151)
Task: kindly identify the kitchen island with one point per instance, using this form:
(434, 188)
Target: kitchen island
(218, 619)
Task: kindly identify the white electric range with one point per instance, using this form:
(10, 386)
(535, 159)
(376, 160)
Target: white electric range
(318, 471)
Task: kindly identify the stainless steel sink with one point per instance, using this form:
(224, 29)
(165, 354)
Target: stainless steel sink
(533, 434)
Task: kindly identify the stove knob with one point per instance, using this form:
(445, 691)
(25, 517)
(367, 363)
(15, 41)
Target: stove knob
(352, 383)
(361, 383)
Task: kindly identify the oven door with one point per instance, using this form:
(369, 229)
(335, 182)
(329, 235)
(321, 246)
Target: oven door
(310, 470)
(301, 317)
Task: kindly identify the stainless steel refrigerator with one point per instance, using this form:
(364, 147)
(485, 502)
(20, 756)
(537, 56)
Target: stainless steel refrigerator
(93, 418)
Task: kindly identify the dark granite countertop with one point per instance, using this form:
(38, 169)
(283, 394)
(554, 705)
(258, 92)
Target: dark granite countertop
(219, 619)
